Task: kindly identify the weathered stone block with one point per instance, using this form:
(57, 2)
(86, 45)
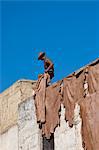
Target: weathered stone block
(67, 138)
(29, 133)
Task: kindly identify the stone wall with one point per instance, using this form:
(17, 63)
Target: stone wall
(9, 101)
(9, 140)
(67, 138)
(19, 128)
(29, 133)
(25, 135)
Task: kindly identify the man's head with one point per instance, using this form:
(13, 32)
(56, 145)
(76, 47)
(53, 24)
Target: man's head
(41, 56)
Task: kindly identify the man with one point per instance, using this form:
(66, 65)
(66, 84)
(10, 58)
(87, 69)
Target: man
(41, 84)
(48, 65)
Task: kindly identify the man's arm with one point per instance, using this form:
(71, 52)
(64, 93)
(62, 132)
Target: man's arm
(50, 66)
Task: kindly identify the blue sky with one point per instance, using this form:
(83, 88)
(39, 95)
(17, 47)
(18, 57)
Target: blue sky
(67, 31)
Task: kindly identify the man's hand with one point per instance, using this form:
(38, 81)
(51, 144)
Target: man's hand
(51, 65)
(46, 70)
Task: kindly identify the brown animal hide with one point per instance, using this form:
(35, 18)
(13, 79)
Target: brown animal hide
(90, 121)
(69, 98)
(72, 92)
(47, 102)
(81, 87)
(40, 99)
(52, 104)
(93, 78)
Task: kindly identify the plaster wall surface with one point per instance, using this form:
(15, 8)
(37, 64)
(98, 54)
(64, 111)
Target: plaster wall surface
(19, 128)
(9, 139)
(67, 138)
(9, 100)
(29, 134)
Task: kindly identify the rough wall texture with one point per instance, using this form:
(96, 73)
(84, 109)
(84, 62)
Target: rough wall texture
(29, 133)
(67, 138)
(9, 101)
(25, 134)
(9, 140)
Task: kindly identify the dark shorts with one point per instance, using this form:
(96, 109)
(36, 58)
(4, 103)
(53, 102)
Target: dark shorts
(51, 73)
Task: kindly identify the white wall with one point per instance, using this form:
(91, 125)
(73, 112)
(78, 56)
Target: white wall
(29, 133)
(27, 136)
(9, 139)
(67, 138)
